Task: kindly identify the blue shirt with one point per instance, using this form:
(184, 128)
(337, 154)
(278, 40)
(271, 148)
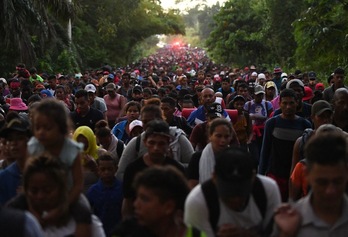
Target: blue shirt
(106, 203)
(10, 180)
(198, 116)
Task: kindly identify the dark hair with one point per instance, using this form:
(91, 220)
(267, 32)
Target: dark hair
(339, 71)
(132, 103)
(61, 87)
(56, 112)
(152, 109)
(288, 93)
(153, 101)
(52, 77)
(166, 182)
(148, 91)
(51, 167)
(81, 93)
(34, 98)
(220, 121)
(32, 70)
(242, 85)
(106, 157)
(126, 75)
(156, 127)
(102, 129)
(327, 148)
(170, 101)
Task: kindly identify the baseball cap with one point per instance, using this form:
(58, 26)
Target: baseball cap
(234, 169)
(217, 78)
(277, 70)
(258, 90)
(16, 125)
(261, 76)
(284, 75)
(252, 67)
(312, 75)
(90, 88)
(110, 87)
(308, 93)
(46, 93)
(254, 74)
(288, 84)
(320, 107)
(137, 89)
(319, 86)
(270, 84)
(133, 75)
(215, 110)
(111, 76)
(238, 97)
(135, 123)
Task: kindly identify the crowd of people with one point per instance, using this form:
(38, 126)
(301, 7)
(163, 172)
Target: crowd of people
(174, 145)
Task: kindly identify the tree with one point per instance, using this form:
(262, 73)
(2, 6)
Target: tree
(321, 36)
(236, 38)
(109, 30)
(30, 27)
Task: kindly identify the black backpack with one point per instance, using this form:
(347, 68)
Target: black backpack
(211, 196)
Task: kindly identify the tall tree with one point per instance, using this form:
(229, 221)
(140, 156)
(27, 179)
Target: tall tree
(236, 37)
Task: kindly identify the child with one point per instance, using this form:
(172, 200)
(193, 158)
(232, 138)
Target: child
(106, 195)
(50, 129)
(242, 126)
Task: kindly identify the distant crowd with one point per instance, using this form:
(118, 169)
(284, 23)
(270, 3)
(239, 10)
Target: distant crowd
(174, 145)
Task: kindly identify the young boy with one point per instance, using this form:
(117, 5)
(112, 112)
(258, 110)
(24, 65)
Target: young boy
(106, 195)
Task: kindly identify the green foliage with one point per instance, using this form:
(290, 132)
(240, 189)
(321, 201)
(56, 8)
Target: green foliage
(35, 32)
(311, 34)
(236, 35)
(322, 36)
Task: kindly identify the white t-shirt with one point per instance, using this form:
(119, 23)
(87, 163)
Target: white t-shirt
(196, 210)
(70, 227)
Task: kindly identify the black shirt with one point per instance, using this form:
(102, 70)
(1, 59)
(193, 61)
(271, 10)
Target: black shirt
(137, 166)
(90, 119)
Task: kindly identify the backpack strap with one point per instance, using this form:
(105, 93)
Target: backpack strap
(137, 144)
(212, 200)
(260, 198)
(119, 148)
(211, 197)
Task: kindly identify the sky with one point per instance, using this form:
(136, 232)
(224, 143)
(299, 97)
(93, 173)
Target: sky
(187, 3)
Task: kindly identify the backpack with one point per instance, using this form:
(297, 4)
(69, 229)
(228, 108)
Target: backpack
(211, 197)
(308, 132)
(119, 148)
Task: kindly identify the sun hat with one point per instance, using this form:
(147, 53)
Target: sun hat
(17, 104)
